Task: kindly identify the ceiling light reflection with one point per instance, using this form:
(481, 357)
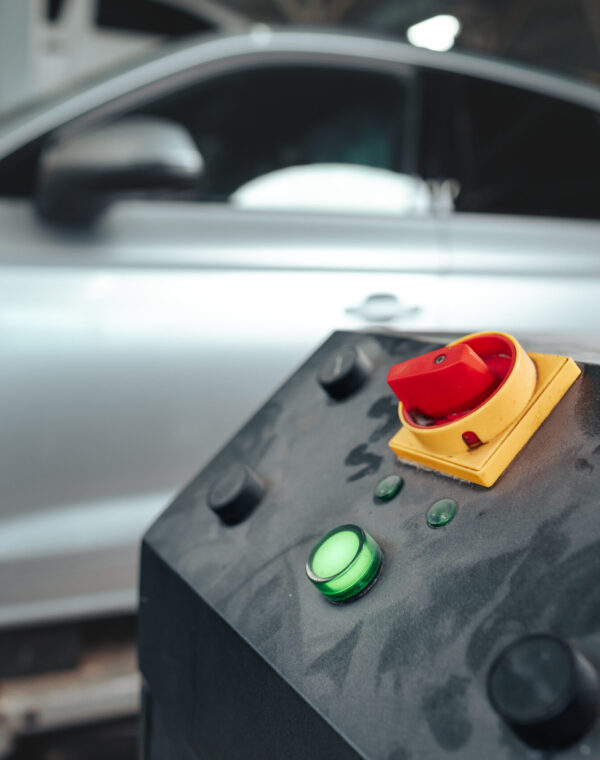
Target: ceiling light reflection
(435, 33)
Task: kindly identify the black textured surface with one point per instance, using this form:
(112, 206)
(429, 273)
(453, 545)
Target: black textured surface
(243, 656)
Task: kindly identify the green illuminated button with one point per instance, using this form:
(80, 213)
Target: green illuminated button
(344, 563)
(387, 488)
(441, 513)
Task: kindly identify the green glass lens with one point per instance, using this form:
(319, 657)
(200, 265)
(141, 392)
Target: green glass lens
(387, 488)
(344, 562)
(441, 513)
(335, 554)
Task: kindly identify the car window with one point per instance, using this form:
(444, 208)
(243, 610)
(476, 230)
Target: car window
(258, 122)
(483, 147)
(509, 150)
(254, 122)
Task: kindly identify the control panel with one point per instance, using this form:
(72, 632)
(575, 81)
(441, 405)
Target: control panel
(395, 558)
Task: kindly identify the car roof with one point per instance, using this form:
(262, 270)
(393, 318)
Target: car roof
(172, 66)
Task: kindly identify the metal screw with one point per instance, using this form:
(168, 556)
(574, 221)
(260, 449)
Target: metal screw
(439, 359)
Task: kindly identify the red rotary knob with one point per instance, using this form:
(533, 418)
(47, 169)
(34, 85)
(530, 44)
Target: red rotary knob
(452, 380)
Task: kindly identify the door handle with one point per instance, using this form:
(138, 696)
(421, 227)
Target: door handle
(382, 307)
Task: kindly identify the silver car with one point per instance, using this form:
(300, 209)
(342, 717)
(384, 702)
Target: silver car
(174, 239)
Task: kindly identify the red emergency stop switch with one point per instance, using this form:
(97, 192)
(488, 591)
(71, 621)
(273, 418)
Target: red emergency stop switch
(458, 378)
(467, 409)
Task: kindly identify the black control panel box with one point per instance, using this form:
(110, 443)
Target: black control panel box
(478, 639)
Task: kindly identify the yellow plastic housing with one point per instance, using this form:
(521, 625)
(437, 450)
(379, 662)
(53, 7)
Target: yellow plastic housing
(504, 423)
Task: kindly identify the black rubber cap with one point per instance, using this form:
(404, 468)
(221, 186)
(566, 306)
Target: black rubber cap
(235, 494)
(345, 372)
(545, 690)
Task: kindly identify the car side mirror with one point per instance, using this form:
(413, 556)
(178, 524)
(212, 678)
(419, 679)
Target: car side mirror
(80, 176)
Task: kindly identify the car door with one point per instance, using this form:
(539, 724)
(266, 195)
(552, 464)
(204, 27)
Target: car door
(134, 349)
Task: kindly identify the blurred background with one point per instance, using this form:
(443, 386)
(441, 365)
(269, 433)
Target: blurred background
(193, 195)
(47, 44)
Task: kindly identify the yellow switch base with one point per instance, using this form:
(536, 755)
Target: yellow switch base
(484, 465)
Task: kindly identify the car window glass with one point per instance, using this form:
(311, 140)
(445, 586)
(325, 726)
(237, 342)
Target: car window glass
(510, 151)
(261, 123)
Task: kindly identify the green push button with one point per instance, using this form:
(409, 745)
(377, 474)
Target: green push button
(344, 563)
